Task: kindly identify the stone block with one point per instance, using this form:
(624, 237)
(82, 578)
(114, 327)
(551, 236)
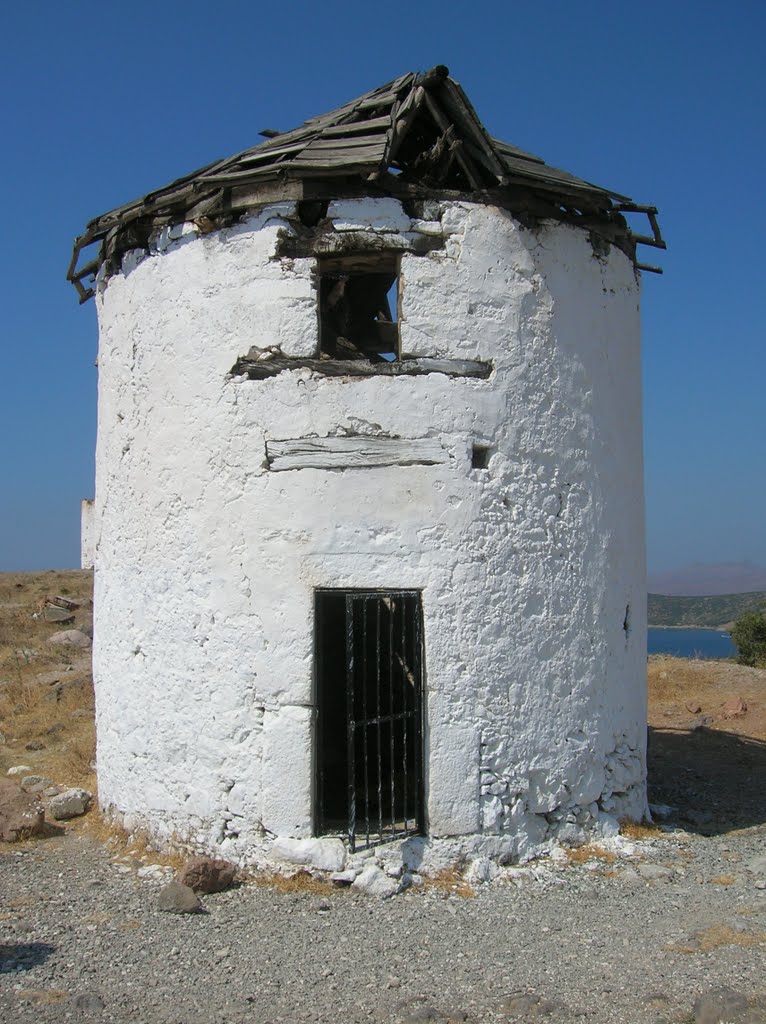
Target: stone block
(324, 854)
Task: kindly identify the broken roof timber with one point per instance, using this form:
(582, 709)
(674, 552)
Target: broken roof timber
(416, 135)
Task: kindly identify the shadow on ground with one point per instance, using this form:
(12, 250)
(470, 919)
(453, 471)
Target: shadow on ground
(713, 779)
(23, 956)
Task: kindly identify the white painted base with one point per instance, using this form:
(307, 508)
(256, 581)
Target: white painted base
(531, 570)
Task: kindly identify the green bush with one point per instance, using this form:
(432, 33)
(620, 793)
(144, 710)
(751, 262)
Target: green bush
(749, 636)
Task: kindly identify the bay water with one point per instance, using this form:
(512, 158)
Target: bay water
(690, 643)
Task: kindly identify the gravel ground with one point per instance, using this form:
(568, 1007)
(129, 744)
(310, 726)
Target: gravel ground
(81, 939)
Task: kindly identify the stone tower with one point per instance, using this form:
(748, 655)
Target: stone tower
(369, 538)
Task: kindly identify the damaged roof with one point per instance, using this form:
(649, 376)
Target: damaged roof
(416, 136)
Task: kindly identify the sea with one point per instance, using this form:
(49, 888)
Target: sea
(690, 643)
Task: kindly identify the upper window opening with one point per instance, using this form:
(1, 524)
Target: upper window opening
(358, 308)
(480, 455)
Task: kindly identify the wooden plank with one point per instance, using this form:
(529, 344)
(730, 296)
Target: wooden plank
(459, 108)
(375, 124)
(340, 159)
(443, 123)
(552, 177)
(257, 157)
(354, 452)
(379, 100)
(456, 90)
(263, 191)
(405, 116)
(323, 145)
(506, 149)
(262, 369)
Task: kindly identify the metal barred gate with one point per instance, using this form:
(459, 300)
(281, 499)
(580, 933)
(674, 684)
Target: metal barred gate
(383, 681)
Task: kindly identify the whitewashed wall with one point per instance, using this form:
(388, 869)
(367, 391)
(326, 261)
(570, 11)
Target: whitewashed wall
(87, 533)
(207, 561)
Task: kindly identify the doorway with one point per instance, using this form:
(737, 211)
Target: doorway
(369, 675)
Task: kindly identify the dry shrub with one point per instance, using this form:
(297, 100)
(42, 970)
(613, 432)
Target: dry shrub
(591, 851)
(302, 883)
(718, 935)
(723, 880)
(449, 881)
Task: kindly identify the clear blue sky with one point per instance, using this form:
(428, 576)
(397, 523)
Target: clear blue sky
(660, 101)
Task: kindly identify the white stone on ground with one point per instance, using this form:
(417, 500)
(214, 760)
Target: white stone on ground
(324, 854)
(373, 881)
(69, 804)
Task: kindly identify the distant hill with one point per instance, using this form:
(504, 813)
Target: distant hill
(699, 580)
(713, 611)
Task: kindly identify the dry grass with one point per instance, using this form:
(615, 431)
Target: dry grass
(449, 881)
(46, 691)
(591, 851)
(673, 680)
(718, 935)
(724, 880)
(675, 683)
(137, 847)
(638, 830)
(302, 883)
(41, 996)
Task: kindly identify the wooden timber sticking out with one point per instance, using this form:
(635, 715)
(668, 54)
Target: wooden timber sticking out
(354, 452)
(260, 369)
(416, 136)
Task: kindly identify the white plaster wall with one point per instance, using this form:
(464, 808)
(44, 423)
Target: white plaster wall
(207, 562)
(87, 533)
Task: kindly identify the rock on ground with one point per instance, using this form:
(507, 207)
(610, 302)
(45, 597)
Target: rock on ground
(726, 1006)
(71, 638)
(206, 875)
(61, 615)
(373, 881)
(88, 1002)
(175, 898)
(35, 783)
(69, 804)
(734, 708)
(21, 814)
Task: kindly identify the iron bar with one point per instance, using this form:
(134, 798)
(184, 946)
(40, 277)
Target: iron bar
(405, 610)
(350, 746)
(364, 716)
(377, 706)
(417, 664)
(391, 613)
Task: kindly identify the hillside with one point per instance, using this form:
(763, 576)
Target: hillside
(714, 612)
(703, 579)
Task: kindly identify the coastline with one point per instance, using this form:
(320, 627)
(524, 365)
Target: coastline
(713, 629)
